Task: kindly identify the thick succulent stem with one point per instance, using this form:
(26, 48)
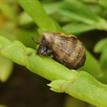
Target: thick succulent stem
(80, 85)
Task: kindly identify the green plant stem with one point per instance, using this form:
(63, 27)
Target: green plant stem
(80, 85)
(42, 66)
(84, 87)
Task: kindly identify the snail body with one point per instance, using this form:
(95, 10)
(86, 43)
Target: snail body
(69, 51)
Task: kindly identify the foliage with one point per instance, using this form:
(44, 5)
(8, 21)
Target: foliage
(69, 16)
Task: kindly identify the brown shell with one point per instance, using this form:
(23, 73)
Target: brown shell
(67, 50)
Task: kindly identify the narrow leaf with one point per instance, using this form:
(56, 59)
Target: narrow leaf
(103, 3)
(77, 28)
(80, 9)
(5, 68)
(101, 45)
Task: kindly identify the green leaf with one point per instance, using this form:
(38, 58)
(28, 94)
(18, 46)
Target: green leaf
(5, 68)
(103, 60)
(103, 3)
(40, 17)
(92, 66)
(101, 45)
(27, 37)
(80, 12)
(51, 8)
(77, 28)
(79, 9)
(24, 19)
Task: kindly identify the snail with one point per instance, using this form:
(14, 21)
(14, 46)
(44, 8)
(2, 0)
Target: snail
(67, 50)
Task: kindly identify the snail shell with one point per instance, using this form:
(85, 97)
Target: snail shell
(67, 50)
